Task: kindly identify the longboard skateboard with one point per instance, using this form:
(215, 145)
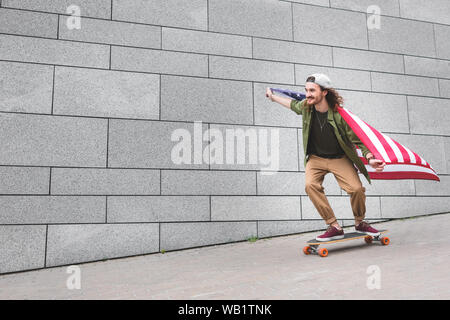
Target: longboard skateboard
(313, 244)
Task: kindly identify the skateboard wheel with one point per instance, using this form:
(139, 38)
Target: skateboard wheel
(307, 250)
(368, 239)
(385, 241)
(323, 252)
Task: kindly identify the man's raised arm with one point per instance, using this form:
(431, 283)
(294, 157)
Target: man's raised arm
(289, 103)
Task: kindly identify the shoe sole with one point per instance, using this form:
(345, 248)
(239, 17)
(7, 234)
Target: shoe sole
(369, 233)
(331, 238)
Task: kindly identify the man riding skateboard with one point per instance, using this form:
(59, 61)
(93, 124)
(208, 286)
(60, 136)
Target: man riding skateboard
(328, 146)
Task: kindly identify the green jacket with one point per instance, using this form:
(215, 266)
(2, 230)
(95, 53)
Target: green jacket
(344, 134)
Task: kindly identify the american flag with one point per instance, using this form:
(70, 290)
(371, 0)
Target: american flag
(401, 162)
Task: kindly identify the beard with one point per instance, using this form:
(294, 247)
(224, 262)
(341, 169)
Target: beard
(315, 100)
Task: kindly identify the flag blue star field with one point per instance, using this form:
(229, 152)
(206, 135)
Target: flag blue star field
(401, 162)
(289, 94)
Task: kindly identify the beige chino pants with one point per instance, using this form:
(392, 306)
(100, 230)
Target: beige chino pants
(347, 178)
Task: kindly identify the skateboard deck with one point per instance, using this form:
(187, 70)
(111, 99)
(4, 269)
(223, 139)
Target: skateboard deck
(313, 244)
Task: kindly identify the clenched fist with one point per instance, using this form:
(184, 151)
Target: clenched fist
(377, 164)
(269, 94)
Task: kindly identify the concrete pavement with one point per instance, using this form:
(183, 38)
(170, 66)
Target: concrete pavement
(413, 266)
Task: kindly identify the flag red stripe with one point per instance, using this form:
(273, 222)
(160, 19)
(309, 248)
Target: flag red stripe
(403, 175)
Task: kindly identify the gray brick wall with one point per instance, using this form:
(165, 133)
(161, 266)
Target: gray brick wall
(87, 118)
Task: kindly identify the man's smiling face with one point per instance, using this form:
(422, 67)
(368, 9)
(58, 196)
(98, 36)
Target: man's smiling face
(313, 93)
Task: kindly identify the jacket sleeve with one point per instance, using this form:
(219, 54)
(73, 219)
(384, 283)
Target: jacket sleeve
(355, 140)
(297, 106)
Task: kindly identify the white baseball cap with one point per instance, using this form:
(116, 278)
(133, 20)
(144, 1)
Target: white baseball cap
(320, 79)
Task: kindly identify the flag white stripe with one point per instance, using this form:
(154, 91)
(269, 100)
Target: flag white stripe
(359, 152)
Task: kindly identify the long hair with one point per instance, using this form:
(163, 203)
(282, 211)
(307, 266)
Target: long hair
(333, 98)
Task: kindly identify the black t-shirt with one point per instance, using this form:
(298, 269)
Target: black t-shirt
(322, 141)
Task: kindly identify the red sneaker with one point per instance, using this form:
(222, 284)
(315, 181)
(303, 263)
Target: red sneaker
(332, 233)
(364, 227)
